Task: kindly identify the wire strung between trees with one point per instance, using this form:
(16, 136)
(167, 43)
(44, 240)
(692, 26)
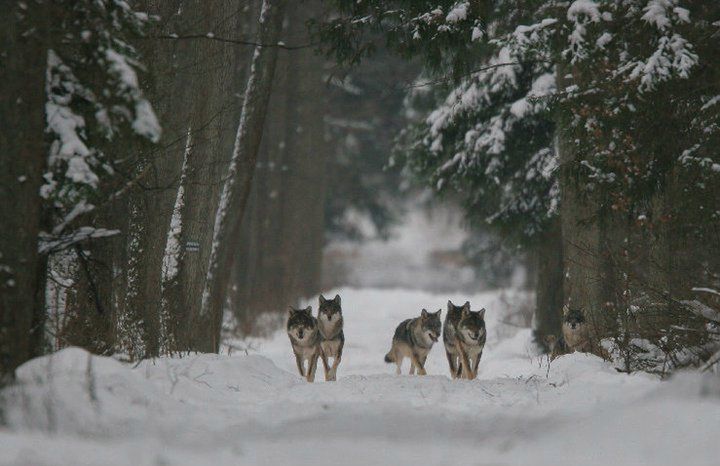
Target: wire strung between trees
(211, 36)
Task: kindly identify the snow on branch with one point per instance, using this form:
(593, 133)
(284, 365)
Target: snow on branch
(54, 243)
(703, 310)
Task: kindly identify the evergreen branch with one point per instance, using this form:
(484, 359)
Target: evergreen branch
(211, 36)
(447, 78)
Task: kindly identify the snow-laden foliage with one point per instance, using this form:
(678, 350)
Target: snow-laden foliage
(625, 66)
(490, 139)
(445, 33)
(93, 98)
(622, 67)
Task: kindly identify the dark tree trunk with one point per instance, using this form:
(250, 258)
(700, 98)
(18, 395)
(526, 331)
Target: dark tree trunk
(303, 207)
(238, 180)
(23, 158)
(549, 284)
(283, 230)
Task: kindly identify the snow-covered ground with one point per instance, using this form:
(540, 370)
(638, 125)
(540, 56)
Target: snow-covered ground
(72, 409)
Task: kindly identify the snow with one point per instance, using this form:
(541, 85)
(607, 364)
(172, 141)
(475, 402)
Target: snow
(173, 248)
(254, 409)
(458, 13)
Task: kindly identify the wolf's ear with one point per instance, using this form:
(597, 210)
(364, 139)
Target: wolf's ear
(466, 306)
(322, 299)
(424, 313)
(337, 299)
(481, 312)
(291, 310)
(438, 313)
(465, 311)
(307, 310)
(566, 310)
(450, 305)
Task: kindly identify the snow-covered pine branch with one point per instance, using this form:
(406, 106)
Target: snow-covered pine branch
(94, 97)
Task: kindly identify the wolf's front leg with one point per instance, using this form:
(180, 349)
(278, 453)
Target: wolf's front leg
(465, 362)
(312, 366)
(452, 359)
(336, 363)
(420, 366)
(299, 361)
(326, 365)
(476, 363)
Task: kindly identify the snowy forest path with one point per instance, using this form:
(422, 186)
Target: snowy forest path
(255, 409)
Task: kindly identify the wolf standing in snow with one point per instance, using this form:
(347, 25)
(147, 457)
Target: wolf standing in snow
(332, 338)
(470, 336)
(414, 339)
(576, 331)
(452, 319)
(304, 336)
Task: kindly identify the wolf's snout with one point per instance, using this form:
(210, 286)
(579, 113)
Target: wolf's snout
(301, 334)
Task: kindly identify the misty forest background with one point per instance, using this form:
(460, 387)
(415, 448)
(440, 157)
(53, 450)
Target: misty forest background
(177, 171)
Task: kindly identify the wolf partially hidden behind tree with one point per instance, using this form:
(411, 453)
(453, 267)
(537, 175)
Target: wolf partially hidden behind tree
(575, 334)
(332, 337)
(302, 329)
(576, 330)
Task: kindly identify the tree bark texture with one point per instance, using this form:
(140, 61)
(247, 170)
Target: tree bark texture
(23, 158)
(238, 181)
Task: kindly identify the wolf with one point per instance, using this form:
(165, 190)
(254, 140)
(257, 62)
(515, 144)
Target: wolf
(332, 337)
(302, 328)
(470, 336)
(575, 329)
(452, 318)
(414, 339)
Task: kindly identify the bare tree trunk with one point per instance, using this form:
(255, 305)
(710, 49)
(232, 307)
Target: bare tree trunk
(549, 284)
(283, 229)
(216, 110)
(239, 177)
(588, 233)
(23, 59)
(258, 266)
(303, 207)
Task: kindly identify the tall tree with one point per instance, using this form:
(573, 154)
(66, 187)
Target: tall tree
(283, 228)
(23, 157)
(238, 180)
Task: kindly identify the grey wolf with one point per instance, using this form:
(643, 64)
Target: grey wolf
(576, 330)
(414, 339)
(452, 319)
(302, 328)
(332, 337)
(470, 334)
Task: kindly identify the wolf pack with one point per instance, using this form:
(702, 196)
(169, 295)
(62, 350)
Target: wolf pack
(463, 333)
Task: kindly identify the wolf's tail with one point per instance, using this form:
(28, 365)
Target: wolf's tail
(389, 357)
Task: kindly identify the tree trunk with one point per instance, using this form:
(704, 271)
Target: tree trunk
(549, 284)
(23, 158)
(238, 182)
(588, 232)
(303, 207)
(283, 229)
